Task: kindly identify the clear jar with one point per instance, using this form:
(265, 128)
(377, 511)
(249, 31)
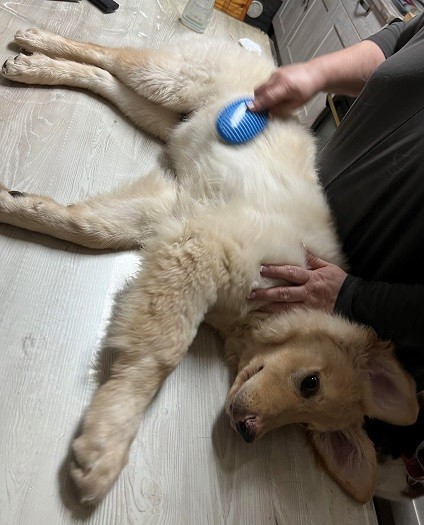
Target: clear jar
(197, 13)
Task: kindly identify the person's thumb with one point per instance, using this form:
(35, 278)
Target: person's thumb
(312, 261)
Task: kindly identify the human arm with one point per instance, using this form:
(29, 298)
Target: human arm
(343, 72)
(395, 311)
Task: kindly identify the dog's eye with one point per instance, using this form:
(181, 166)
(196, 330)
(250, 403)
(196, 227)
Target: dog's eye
(309, 386)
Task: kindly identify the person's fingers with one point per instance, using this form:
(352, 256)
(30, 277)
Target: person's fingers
(292, 274)
(268, 95)
(313, 262)
(280, 294)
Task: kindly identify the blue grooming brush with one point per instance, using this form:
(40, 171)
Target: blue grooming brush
(237, 124)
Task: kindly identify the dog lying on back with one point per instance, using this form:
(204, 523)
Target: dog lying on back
(206, 227)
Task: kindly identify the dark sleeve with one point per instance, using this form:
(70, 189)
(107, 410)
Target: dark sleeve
(395, 311)
(396, 35)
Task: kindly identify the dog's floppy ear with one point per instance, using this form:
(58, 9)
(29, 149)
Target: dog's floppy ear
(349, 458)
(392, 392)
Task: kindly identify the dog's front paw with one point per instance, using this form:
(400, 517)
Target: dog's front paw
(29, 69)
(98, 460)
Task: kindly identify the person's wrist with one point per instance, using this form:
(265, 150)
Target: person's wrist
(320, 73)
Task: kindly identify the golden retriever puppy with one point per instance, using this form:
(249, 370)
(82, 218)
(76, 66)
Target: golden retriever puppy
(206, 226)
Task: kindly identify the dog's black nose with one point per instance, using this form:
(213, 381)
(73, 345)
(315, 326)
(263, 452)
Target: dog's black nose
(247, 429)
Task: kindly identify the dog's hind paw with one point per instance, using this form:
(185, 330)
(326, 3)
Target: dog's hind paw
(35, 40)
(96, 465)
(31, 39)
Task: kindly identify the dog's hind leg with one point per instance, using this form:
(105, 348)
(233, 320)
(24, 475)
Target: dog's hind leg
(182, 78)
(154, 322)
(43, 70)
(123, 219)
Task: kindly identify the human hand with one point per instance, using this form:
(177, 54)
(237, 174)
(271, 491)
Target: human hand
(288, 88)
(315, 287)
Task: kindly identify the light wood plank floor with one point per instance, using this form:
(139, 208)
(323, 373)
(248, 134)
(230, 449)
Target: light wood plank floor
(187, 466)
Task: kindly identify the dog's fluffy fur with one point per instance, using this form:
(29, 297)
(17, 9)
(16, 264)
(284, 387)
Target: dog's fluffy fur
(206, 227)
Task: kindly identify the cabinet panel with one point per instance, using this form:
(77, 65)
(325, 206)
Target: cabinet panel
(288, 17)
(317, 26)
(366, 22)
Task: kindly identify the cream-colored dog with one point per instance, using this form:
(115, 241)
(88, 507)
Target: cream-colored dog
(206, 226)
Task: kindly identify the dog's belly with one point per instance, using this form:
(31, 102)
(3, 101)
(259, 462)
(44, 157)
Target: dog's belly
(264, 173)
(262, 198)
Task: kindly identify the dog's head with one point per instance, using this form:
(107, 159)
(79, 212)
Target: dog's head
(327, 374)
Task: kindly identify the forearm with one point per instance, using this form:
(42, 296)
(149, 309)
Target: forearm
(395, 311)
(345, 72)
